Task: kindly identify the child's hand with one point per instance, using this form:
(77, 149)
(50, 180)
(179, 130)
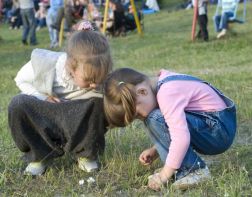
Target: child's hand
(53, 99)
(155, 182)
(148, 156)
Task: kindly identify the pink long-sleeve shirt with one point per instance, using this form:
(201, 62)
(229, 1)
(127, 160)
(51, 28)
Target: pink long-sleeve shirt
(176, 97)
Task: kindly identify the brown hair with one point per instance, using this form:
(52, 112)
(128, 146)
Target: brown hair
(120, 96)
(90, 51)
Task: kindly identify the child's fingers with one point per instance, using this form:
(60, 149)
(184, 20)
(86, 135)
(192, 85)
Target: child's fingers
(154, 182)
(144, 156)
(53, 99)
(145, 163)
(145, 159)
(49, 99)
(141, 159)
(57, 100)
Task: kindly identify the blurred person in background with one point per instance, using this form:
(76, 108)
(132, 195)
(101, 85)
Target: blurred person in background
(41, 16)
(29, 22)
(15, 20)
(55, 5)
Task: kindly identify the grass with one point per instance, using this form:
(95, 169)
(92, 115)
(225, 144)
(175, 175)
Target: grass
(166, 44)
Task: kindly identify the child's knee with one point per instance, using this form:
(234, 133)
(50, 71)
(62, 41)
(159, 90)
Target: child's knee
(155, 121)
(17, 104)
(155, 115)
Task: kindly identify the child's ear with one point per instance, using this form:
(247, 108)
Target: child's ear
(142, 91)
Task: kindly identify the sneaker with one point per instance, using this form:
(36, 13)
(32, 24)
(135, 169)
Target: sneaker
(88, 165)
(222, 33)
(35, 168)
(193, 179)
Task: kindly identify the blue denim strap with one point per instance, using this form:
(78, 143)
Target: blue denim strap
(185, 78)
(178, 77)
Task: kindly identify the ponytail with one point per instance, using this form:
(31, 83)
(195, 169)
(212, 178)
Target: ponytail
(128, 103)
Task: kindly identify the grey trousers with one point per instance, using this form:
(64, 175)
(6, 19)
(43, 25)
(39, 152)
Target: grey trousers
(44, 130)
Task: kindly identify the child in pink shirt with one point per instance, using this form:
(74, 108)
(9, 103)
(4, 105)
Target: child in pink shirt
(183, 114)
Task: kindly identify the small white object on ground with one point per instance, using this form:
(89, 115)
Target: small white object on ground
(81, 182)
(90, 180)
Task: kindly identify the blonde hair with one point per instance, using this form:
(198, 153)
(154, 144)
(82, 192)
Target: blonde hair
(90, 51)
(120, 96)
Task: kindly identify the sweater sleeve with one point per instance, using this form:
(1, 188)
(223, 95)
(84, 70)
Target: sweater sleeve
(172, 102)
(24, 81)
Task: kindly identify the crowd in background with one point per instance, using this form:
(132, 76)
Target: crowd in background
(11, 12)
(32, 15)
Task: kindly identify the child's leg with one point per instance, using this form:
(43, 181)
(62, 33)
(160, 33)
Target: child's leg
(159, 134)
(25, 26)
(32, 26)
(50, 20)
(217, 20)
(44, 130)
(88, 140)
(31, 130)
(210, 132)
(203, 20)
(199, 34)
(224, 19)
(32, 133)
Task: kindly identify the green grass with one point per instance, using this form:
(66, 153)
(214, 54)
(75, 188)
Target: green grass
(226, 63)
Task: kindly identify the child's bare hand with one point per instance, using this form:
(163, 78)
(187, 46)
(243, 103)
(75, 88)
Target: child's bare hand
(148, 156)
(158, 180)
(53, 99)
(155, 182)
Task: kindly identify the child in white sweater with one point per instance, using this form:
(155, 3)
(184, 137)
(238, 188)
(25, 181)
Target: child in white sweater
(60, 108)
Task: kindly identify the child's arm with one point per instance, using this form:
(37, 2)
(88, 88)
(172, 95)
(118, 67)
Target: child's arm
(24, 80)
(175, 117)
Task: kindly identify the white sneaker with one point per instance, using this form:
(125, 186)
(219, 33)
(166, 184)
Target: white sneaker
(35, 168)
(88, 165)
(193, 179)
(222, 33)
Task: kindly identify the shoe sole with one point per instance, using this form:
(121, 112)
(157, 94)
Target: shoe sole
(89, 171)
(186, 186)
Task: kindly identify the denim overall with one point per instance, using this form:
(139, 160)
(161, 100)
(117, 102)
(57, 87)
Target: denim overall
(211, 132)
